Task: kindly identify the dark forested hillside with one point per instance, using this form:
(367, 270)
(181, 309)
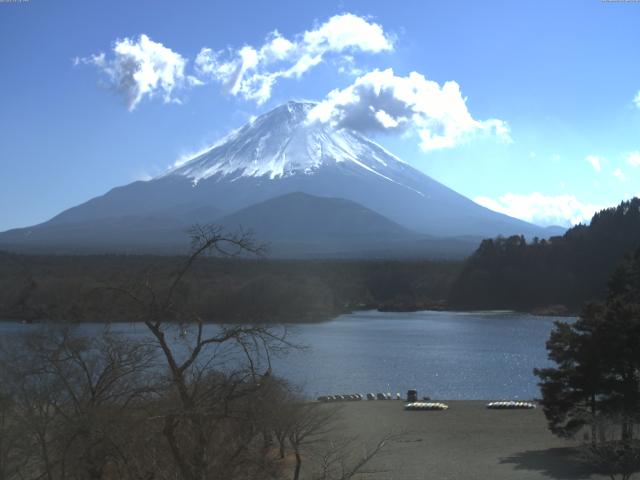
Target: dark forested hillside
(36, 287)
(563, 271)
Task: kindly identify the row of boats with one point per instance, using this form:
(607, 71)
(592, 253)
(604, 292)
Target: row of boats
(358, 396)
(425, 405)
(511, 405)
(504, 405)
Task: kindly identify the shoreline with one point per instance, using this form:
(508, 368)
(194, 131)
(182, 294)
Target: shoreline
(327, 317)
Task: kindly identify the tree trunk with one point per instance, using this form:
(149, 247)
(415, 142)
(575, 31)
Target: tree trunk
(296, 473)
(266, 439)
(627, 431)
(594, 426)
(169, 434)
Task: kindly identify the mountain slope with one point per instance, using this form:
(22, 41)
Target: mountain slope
(279, 153)
(302, 225)
(302, 217)
(295, 225)
(134, 233)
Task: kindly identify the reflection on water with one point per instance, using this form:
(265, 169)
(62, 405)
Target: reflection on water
(446, 355)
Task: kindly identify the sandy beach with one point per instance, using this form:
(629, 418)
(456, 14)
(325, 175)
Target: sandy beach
(467, 441)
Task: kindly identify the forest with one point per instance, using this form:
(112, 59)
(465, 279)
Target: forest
(86, 288)
(556, 275)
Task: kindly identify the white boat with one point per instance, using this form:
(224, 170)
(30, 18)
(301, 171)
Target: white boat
(511, 405)
(426, 406)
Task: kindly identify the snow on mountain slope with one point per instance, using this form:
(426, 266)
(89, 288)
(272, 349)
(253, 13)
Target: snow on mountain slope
(277, 154)
(282, 152)
(283, 143)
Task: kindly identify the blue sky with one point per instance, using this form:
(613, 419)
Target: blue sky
(546, 125)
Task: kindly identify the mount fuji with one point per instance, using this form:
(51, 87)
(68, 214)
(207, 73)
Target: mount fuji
(304, 187)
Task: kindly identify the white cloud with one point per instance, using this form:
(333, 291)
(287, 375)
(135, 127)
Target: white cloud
(252, 72)
(140, 68)
(342, 32)
(347, 65)
(636, 99)
(619, 175)
(595, 161)
(383, 102)
(633, 159)
(142, 176)
(564, 210)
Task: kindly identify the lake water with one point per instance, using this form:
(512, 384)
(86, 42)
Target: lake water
(444, 355)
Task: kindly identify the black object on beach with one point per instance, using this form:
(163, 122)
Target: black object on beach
(412, 395)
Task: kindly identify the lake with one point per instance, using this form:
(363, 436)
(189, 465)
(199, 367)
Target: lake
(444, 355)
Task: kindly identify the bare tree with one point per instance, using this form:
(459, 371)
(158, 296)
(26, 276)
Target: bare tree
(12, 451)
(308, 423)
(215, 371)
(69, 395)
(345, 458)
(188, 400)
(313, 432)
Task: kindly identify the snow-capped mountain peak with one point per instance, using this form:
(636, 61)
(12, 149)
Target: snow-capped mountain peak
(286, 175)
(282, 143)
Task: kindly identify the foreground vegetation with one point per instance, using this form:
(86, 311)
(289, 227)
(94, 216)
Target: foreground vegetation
(185, 401)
